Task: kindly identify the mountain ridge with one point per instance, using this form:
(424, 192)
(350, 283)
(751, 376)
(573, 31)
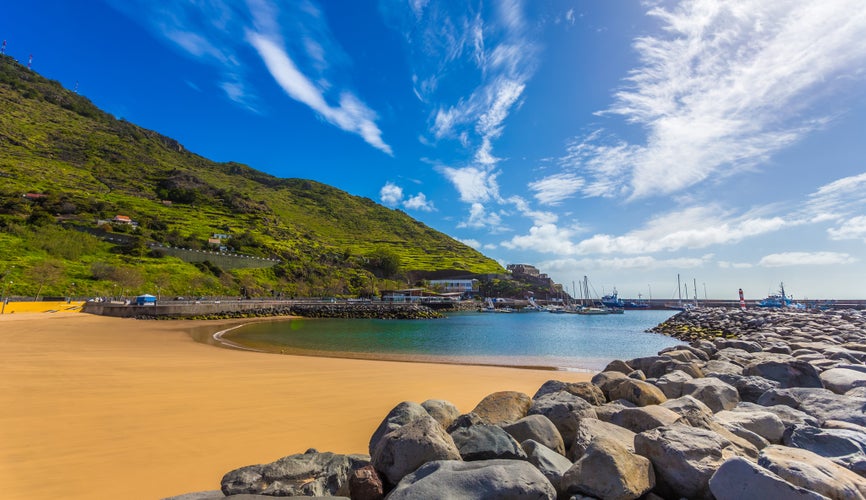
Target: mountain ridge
(80, 164)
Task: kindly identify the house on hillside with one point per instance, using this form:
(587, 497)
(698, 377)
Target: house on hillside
(523, 269)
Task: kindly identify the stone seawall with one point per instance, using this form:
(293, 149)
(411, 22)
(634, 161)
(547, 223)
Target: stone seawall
(261, 308)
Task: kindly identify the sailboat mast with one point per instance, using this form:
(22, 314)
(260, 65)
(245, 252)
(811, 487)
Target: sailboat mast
(679, 291)
(695, 288)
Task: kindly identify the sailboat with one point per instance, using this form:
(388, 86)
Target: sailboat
(680, 305)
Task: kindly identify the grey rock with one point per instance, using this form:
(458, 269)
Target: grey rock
(442, 411)
(405, 449)
(692, 411)
(618, 365)
(644, 418)
(671, 384)
(842, 380)
(741, 433)
(739, 478)
(503, 407)
(304, 474)
(589, 429)
(714, 393)
(587, 391)
(749, 388)
(766, 424)
(605, 380)
(482, 480)
(814, 472)
(843, 446)
(485, 442)
(538, 428)
(789, 416)
(399, 416)
(565, 410)
(465, 420)
(720, 366)
(609, 470)
(684, 458)
(794, 373)
(550, 463)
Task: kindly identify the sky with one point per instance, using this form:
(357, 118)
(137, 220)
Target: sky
(625, 141)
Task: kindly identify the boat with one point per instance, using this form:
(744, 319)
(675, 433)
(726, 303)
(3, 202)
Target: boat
(612, 300)
(490, 308)
(780, 300)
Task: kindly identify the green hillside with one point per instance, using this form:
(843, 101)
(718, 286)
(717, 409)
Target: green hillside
(77, 164)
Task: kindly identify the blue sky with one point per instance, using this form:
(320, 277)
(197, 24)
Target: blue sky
(627, 141)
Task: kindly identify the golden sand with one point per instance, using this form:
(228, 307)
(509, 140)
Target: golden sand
(95, 407)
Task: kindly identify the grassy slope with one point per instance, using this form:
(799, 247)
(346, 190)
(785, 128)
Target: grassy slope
(93, 166)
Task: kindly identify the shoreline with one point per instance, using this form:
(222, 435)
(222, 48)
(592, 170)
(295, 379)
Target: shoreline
(145, 407)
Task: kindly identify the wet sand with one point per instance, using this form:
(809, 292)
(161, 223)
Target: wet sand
(95, 407)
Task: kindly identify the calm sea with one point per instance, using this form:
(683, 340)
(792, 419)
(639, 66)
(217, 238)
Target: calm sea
(563, 341)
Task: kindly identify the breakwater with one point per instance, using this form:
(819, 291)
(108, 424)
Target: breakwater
(766, 404)
(224, 309)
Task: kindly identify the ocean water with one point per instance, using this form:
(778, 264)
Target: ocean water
(560, 341)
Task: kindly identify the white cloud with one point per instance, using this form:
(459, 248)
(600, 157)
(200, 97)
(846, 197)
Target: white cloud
(216, 32)
(538, 217)
(851, 229)
(734, 265)
(473, 183)
(470, 242)
(545, 238)
(725, 86)
(419, 202)
(351, 115)
(555, 188)
(391, 194)
(836, 199)
(480, 218)
(644, 262)
(806, 259)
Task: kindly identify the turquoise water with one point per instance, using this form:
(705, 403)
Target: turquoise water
(564, 341)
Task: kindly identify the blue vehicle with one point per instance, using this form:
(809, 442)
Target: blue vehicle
(779, 300)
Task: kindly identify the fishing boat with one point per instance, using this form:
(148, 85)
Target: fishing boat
(780, 300)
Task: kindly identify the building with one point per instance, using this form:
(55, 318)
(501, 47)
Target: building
(524, 269)
(454, 285)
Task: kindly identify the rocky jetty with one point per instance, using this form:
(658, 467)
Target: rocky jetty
(758, 404)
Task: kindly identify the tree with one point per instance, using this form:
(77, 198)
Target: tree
(47, 272)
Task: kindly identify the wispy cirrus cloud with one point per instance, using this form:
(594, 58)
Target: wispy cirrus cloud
(470, 68)
(724, 85)
(292, 39)
(554, 189)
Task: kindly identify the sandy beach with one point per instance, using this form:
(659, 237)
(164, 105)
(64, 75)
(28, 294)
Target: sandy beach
(96, 407)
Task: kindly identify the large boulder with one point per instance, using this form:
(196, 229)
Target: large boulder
(486, 442)
(503, 407)
(565, 410)
(442, 411)
(789, 416)
(739, 478)
(684, 458)
(791, 373)
(304, 474)
(822, 404)
(715, 367)
(609, 470)
(587, 391)
(713, 393)
(538, 428)
(814, 472)
(671, 384)
(692, 411)
(605, 380)
(763, 423)
(550, 463)
(482, 480)
(644, 418)
(843, 446)
(842, 380)
(618, 365)
(399, 416)
(405, 449)
(637, 391)
(589, 429)
(749, 388)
